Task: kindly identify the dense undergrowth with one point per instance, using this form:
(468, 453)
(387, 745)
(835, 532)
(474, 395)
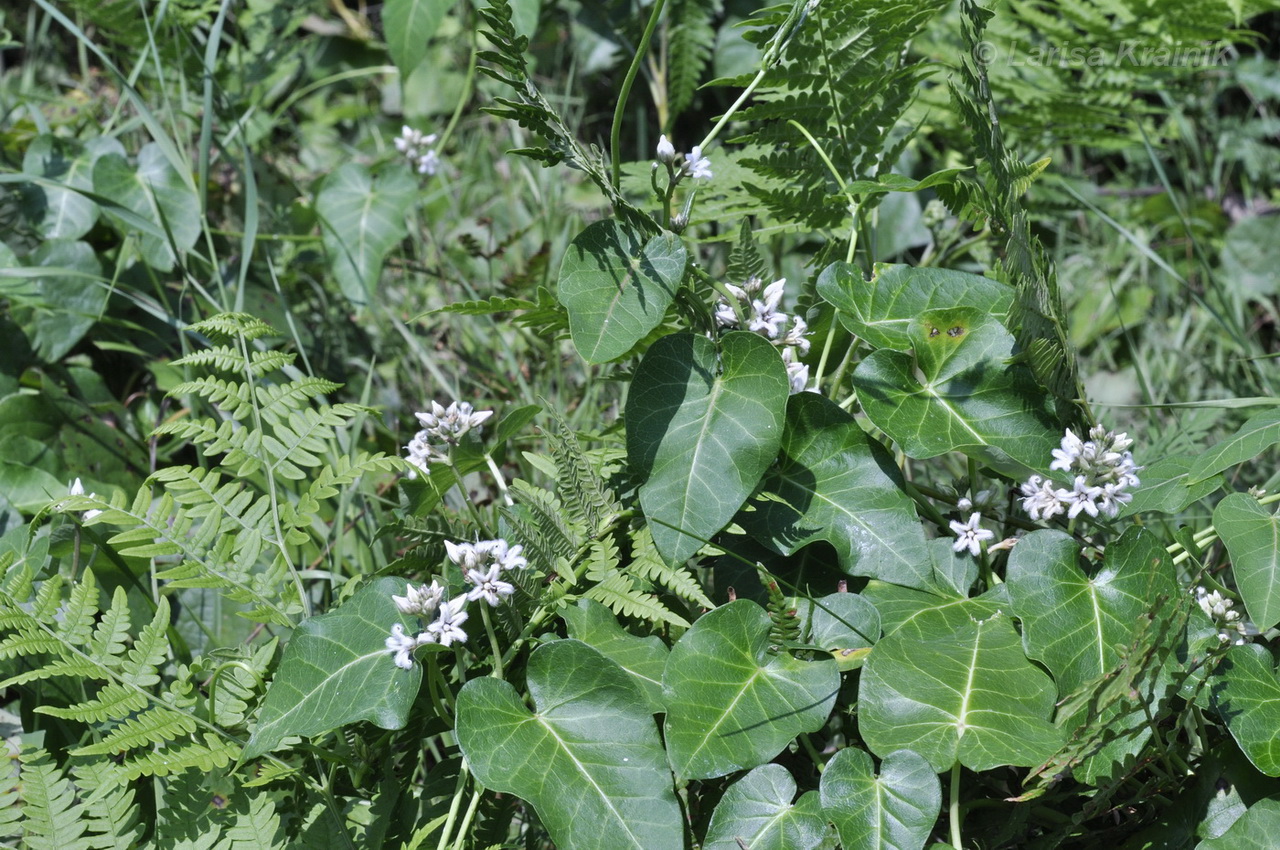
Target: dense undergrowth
(662, 424)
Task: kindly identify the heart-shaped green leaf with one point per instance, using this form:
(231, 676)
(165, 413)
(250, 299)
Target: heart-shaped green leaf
(409, 25)
(881, 310)
(957, 691)
(958, 392)
(642, 658)
(156, 192)
(617, 286)
(1259, 433)
(1252, 535)
(834, 483)
(72, 296)
(757, 812)
(336, 670)
(1256, 829)
(587, 758)
(61, 213)
(731, 703)
(895, 809)
(702, 428)
(898, 606)
(1246, 694)
(361, 219)
(1078, 625)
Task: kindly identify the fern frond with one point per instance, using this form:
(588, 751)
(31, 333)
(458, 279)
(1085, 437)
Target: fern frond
(112, 701)
(111, 814)
(745, 261)
(647, 564)
(158, 726)
(588, 499)
(487, 307)
(618, 594)
(259, 826)
(225, 327)
(53, 819)
(689, 48)
(225, 358)
(206, 753)
(540, 517)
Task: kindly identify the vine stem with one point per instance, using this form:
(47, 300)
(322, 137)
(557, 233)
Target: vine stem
(615, 132)
(953, 810)
(463, 775)
(493, 641)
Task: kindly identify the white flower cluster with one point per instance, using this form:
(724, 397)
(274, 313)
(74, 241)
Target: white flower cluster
(759, 306)
(442, 429)
(1232, 628)
(482, 563)
(417, 149)
(1104, 474)
(695, 164)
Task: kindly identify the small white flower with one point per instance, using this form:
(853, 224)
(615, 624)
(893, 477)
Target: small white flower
(1080, 498)
(420, 601)
(445, 629)
(417, 149)
(488, 586)
(1039, 499)
(429, 163)
(1113, 496)
(508, 557)
(666, 150)
(402, 646)
(797, 372)
(797, 335)
(697, 165)
(725, 317)
(1065, 457)
(969, 535)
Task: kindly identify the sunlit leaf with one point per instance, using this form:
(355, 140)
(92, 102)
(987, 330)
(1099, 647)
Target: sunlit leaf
(409, 25)
(844, 624)
(587, 757)
(894, 809)
(834, 483)
(617, 286)
(954, 690)
(1246, 694)
(882, 309)
(1252, 535)
(956, 391)
(757, 812)
(702, 428)
(1259, 433)
(731, 703)
(1077, 624)
(336, 670)
(642, 658)
(156, 192)
(63, 213)
(361, 219)
(1256, 829)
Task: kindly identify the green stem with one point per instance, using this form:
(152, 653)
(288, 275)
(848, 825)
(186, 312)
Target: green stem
(463, 775)
(615, 133)
(465, 97)
(466, 819)
(502, 483)
(493, 640)
(953, 810)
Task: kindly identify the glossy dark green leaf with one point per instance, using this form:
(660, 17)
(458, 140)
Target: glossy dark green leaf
(336, 670)
(642, 658)
(617, 286)
(702, 428)
(1252, 535)
(157, 193)
(361, 219)
(894, 809)
(757, 812)
(898, 606)
(731, 703)
(834, 483)
(881, 310)
(587, 758)
(1259, 433)
(1246, 694)
(1257, 829)
(1078, 625)
(409, 26)
(1164, 487)
(957, 690)
(957, 391)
